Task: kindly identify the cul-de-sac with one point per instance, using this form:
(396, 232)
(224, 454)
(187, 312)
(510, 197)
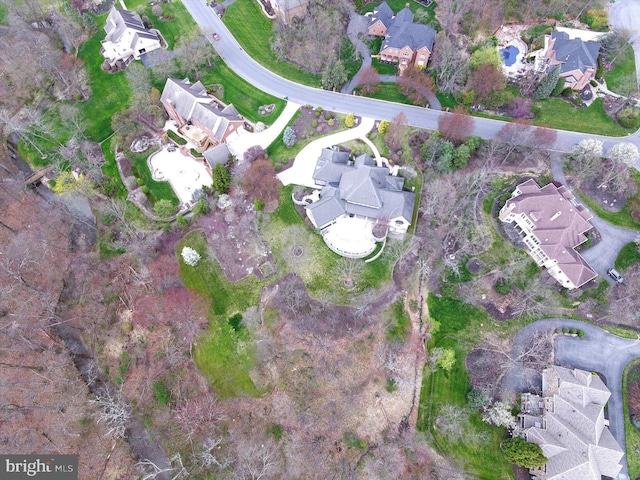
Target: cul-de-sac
(320, 239)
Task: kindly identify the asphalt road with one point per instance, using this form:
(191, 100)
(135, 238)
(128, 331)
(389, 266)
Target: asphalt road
(599, 351)
(260, 77)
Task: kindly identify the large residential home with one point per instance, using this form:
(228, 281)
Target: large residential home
(551, 224)
(200, 118)
(578, 59)
(359, 188)
(127, 38)
(405, 42)
(568, 422)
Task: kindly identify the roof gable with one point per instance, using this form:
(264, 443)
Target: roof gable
(574, 53)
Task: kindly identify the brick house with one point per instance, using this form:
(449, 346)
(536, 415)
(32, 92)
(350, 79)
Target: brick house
(405, 42)
(578, 59)
(200, 117)
(551, 223)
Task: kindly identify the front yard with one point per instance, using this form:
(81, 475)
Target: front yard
(556, 113)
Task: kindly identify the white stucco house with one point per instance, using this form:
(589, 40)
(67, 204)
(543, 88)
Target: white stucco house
(127, 39)
(551, 224)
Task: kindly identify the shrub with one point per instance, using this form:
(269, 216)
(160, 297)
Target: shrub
(190, 256)
(573, 331)
(523, 453)
(176, 138)
(140, 181)
(327, 115)
(503, 286)
(202, 207)
(350, 120)
(477, 398)
(319, 110)
(593, 83)
(164, 208)
(314, 124)
(558, 330)
(557, 90)
(392, 385)
(317, 114)
(383, 126)
(629, 117)
(289, 137)
(145, 189)
(567, 92)
(581, 333)
(547, 84)
(161, 393)
(221, 178)
(331, 122)
(258, 205)
(565, 330)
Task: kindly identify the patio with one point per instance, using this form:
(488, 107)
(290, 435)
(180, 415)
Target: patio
(350, 237)
(184, 173)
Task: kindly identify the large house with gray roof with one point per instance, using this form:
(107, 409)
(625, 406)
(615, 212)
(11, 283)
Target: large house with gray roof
(578, 59)
(405, 42)
(199, 117)
(551, 223)
(568, 422)
(127, 39)
(359, 188)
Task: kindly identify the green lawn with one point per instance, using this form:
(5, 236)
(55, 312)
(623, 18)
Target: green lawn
(556, 113)
(157, 190)
(244, 96)
(632, 435)
(628, 256)
(623, 218)
(625, 68)
(224, 355)
(383, 68)
(252, 29)
(110, 92)
(178, 31)
(388, 92)
(450, 388)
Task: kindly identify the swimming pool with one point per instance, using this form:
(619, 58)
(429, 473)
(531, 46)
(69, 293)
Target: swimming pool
(510, 55)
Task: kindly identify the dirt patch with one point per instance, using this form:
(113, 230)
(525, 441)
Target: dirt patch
(605, 197)
(474, 265)
(233, 237)
(312, 122)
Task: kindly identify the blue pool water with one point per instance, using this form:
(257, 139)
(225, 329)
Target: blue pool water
(510, 55)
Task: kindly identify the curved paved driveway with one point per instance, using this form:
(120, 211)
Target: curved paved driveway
(625, 14)
(599, 351)
(271, 83)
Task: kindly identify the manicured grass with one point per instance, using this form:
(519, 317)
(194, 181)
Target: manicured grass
(632, 435)
(441, 388)
(383, 68)
(110, 91)
(225, 356)
(446, 100)
(110, 169)
(178, 31)
(388, 92)
(625, 68)
(252, 29)
(628, 256)
(556, 113)
(244, 96)
(623, 218)
(157, 190)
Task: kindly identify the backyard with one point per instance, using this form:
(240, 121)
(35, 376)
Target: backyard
(624, 72)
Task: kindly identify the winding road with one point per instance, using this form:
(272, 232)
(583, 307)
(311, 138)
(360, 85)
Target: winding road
(237, 59)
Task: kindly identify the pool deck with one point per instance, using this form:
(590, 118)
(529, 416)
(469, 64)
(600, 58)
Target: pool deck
(509, 35)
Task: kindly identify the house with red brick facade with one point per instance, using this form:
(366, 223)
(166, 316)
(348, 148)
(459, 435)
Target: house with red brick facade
(578, 59)
(201, 118)
(405, 42)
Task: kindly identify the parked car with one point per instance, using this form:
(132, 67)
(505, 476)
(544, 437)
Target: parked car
(216, 37)
(613, 273)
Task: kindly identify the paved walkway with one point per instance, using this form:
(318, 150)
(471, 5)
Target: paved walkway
(301, 173)
(599, 351)
(242, 141)
(434, 103)
(357, 26)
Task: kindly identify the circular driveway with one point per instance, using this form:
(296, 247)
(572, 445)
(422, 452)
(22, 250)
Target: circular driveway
(599, 351)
